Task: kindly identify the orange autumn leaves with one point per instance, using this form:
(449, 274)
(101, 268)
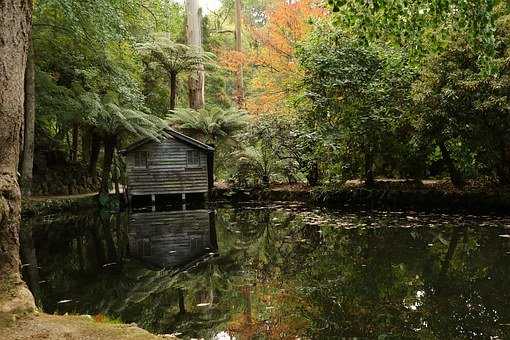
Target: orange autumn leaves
(275, 74)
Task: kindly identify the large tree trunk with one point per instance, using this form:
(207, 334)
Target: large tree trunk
(85, 145)
(173, 89)
(95, 148)
(74, 143)
(194, 36)
(109, 148)
(27, 161)
(455, 175)
(369, 169)
(15, 25)
(239, 76)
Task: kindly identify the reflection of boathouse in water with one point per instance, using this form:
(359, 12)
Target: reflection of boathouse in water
(172, 238)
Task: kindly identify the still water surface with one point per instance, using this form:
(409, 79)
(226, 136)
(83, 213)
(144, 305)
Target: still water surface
(279, 271)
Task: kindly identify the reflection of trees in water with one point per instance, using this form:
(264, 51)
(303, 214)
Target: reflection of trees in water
(280, 272)
(84, 260)
(73, 249)
(368, 282)
(389, 283)
(30, 264)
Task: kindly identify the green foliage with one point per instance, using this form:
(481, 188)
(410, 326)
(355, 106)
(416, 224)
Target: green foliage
(90, 81)
(396, 88)
(172, 56)
(213, 124)
(359, 94)
(421, 26)
(276, 148)
(109, 117)
(460, 102)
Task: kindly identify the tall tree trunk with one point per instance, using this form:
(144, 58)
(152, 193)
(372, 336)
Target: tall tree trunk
(15, 26)
(74, 143)
(369, 169)
(109, 148)
(173, 89)
(85, 145)
(27, 161)
(95, 148)
(239, 76)
(194, 36)
(455, 175)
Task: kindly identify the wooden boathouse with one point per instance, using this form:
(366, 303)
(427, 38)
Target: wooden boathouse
(178, 164)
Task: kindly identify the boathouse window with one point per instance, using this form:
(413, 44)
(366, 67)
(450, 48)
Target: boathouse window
(193, 158)
(142, 159)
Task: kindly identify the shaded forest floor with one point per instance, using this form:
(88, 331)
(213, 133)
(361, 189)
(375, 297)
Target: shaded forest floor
(475, 196)
(389, 184)
(52, 327)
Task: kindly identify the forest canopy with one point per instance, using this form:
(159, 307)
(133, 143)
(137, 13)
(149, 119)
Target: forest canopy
(310, 91)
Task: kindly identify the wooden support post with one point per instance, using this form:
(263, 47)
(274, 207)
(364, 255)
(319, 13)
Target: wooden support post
(183, 196)
(153, 200)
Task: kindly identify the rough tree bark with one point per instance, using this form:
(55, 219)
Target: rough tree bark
(15, 26)
(27, 161)
(196, 78)
(239, 96)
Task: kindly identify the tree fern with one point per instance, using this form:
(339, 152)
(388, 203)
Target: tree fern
(213, 125)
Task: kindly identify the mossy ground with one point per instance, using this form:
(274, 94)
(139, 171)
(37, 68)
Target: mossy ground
(70, 327)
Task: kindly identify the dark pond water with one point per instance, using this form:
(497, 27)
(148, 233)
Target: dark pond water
(280, 271)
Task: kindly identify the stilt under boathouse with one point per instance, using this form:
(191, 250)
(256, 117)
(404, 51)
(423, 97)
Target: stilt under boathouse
(176, 165)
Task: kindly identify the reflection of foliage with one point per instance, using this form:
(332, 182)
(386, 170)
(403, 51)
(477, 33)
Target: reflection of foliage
(289, 272)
